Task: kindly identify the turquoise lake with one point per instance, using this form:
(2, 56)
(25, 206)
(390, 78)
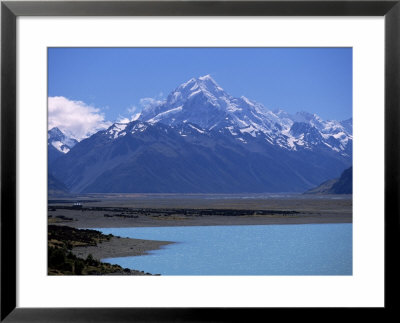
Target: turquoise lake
(304, 249)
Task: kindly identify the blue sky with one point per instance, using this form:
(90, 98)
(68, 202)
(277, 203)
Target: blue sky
(114, 80)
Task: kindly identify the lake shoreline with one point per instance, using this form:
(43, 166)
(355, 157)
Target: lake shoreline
(74, 251)
(120, 247)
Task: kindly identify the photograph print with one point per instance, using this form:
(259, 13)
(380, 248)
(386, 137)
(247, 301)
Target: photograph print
(200, 161)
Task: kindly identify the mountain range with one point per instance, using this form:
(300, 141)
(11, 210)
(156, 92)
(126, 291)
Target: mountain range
(200, 139)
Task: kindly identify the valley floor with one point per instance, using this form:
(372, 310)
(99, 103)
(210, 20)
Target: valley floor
(152, 212)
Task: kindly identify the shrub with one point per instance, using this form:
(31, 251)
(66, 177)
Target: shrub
(56, 257)
(67, 266)
(78, 267)
(91, 261)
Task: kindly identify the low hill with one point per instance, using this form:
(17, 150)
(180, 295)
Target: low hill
(341, 185)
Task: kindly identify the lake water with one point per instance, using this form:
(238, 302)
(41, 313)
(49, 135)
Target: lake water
(306, 249)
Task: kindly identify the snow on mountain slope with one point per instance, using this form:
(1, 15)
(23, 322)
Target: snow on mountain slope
(201, 101)
(157, 158)
(57, 139)
(203, 104)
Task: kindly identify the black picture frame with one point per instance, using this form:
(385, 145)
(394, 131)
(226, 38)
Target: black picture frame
(10, 10)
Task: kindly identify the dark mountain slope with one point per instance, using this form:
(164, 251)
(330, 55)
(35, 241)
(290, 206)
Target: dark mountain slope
(341, 185)
(156, 158)
(55, 187)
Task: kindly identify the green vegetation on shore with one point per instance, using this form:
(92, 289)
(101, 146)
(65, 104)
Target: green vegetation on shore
(61, 261)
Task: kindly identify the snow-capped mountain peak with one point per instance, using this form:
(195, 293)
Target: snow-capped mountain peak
(202, 102)
(116, 129)
(60, 141)
(54, 133)
(206, 83)
(204, 86)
